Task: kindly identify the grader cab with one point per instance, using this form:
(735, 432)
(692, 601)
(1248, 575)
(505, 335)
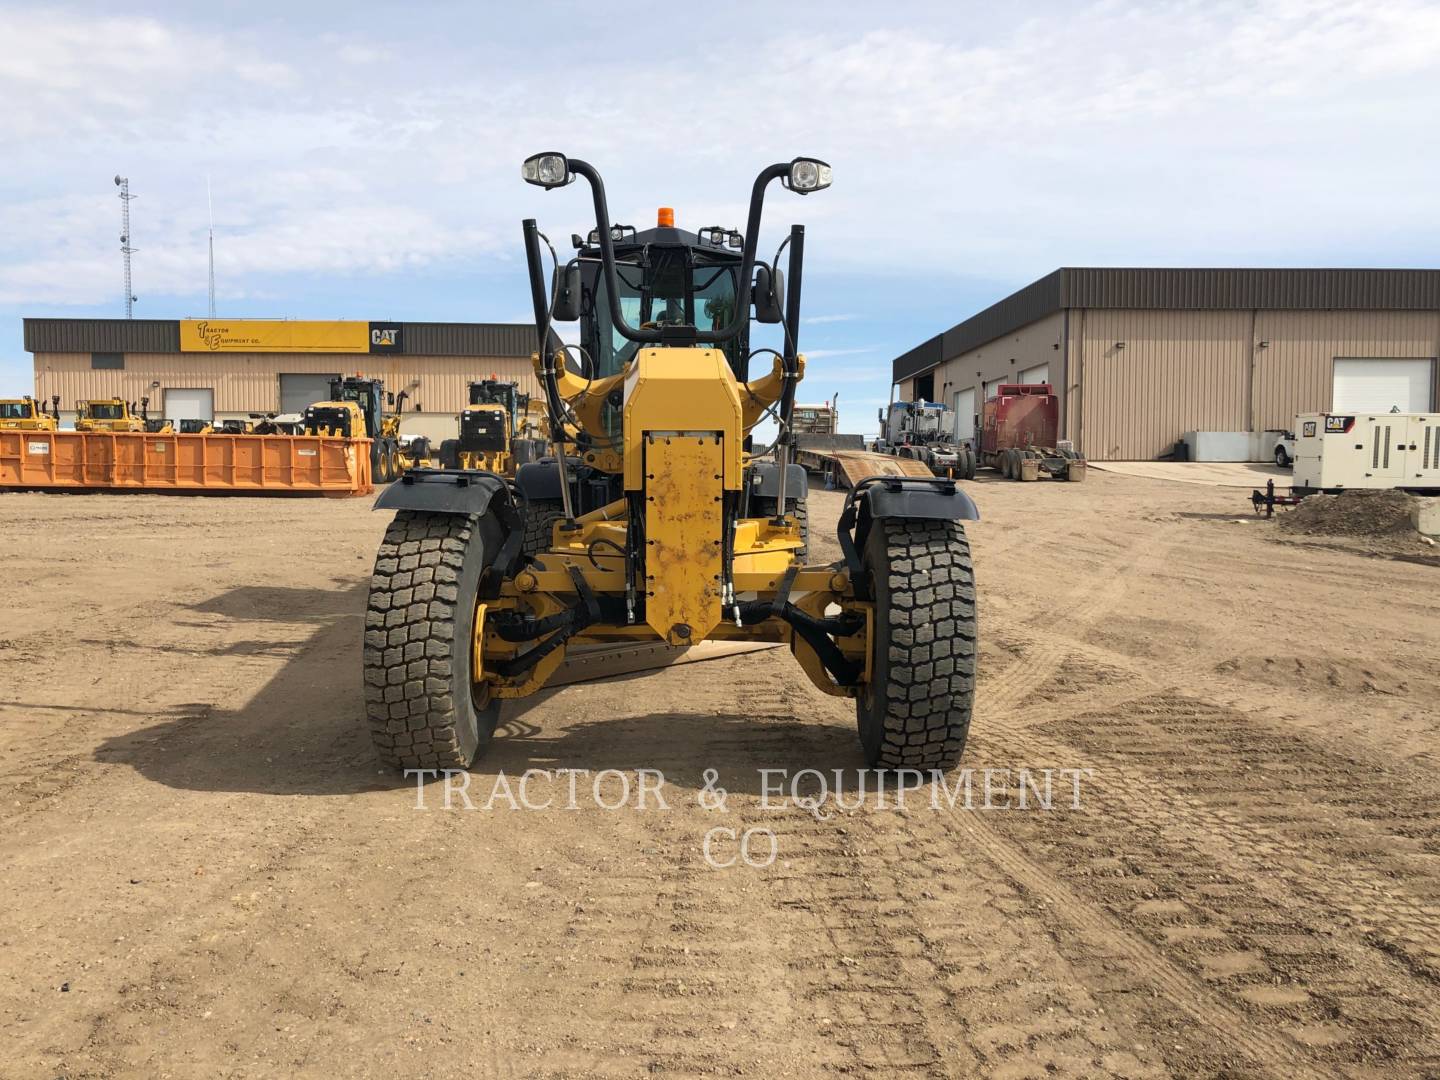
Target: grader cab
(28, 414)
(108, 414)
(657, 519)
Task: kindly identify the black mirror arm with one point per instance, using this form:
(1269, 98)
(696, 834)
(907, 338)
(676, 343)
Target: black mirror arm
(747, 264)
(607, 252)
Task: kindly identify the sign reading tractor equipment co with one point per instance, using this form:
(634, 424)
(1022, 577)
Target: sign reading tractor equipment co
(287, 336)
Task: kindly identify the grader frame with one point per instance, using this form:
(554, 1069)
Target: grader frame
(656, 521)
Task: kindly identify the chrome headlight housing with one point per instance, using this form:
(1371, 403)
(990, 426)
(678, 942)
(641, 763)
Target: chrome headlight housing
(808, 174)
(548, 170)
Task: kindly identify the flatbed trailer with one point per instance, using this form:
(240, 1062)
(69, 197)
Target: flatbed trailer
(845, 459)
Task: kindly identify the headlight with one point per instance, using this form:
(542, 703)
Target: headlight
(808, 174)
(546, 170)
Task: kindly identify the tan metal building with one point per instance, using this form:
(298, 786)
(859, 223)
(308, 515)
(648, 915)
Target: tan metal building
(1140, 357)
(230, 368)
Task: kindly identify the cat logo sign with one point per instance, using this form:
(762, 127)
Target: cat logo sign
(273, 336)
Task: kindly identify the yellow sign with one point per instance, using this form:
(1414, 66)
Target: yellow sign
(277, 335)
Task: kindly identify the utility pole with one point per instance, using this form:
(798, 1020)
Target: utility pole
(210, 204)
(123, 183)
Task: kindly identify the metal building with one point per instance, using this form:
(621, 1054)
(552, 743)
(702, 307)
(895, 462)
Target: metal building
(1142, 356)
(229, 368)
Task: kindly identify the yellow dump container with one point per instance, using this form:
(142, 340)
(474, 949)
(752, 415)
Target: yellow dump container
(249, 464)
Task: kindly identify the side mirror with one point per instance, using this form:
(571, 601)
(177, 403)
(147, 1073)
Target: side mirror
(769, 295)
(567, 294)
(389, 397)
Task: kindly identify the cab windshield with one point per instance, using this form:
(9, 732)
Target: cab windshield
(14, 410)
(106, 411)
(667, 293)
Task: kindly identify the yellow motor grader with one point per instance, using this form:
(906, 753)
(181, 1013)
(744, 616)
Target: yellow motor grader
(28, 414)
(497, 432)
(356, 410)
(657, 519)
(107, 414)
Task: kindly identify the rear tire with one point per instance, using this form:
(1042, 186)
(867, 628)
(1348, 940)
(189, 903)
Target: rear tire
(915, 712)
(422, 708)
(540, 518)
(1281, 458)
(450, 453)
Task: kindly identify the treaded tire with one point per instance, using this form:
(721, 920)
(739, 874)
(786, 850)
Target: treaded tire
(450, 453)
(540, 518)
(1281, 458)
(421, 707)
(915, 712)
(970, 463)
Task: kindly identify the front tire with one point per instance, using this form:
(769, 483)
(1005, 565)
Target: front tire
(1281, 458)
(423, 709)
(915, 712)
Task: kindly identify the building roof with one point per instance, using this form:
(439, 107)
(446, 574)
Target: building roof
(163, 336)
(1178, 289)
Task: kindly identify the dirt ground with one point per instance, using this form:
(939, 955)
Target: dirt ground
(206, 875)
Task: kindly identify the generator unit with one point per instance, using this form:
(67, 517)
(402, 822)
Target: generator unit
(1346, 451)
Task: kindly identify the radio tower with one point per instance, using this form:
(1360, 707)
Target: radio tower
(211, 206)
(123, 183)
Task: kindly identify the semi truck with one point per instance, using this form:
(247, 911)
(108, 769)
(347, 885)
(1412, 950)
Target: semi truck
(1019, 426)
(925, 431)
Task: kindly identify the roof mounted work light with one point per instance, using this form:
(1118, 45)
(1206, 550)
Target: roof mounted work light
(807, 175)
(548, 170)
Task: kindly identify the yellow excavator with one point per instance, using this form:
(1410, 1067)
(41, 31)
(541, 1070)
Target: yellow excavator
(657, 518)
(28, 414)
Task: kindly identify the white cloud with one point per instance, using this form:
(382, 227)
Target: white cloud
(1169, 132)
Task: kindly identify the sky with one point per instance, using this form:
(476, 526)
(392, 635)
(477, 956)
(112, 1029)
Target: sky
(364, 159)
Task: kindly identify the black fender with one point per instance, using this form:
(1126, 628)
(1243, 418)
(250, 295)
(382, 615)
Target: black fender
(539, 480)
(445, 491)
(765, 481)
(481, 495)
(912, 497)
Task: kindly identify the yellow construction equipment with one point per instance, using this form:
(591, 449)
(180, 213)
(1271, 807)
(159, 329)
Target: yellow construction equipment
(107, 414)
(27, 414)
(657, 520)
(498, 430)
(356, 409)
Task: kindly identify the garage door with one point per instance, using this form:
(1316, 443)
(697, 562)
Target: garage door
(298, 391)
(189, 404)
(1034, 375)
(963, 402)
(992, 386)
(1379, 385)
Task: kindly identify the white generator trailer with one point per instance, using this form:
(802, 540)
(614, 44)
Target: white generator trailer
(1349, 451)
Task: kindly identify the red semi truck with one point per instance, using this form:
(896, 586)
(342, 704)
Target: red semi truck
(1018, 430)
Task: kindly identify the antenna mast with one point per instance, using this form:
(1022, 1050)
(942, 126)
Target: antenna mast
(211, 205)
(123, 183)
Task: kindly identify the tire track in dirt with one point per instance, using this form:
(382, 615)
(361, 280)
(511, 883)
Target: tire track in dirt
(1045, 653)
(1273, 1054)
(1238, 923)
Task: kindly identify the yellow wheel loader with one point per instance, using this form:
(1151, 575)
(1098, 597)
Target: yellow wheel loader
(656, 518)
(27, 414)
